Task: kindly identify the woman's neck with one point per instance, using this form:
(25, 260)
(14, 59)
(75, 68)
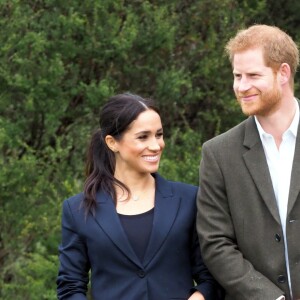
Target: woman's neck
(141, 198)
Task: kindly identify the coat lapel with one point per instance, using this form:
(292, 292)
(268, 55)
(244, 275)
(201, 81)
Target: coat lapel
(257, 165)
(295, 176)
(165, 211)
(107, 218)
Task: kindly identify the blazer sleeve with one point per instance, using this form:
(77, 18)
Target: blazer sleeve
(205, 283)
(73, 274)
(217, 237)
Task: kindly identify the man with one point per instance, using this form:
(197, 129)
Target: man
(249, 202)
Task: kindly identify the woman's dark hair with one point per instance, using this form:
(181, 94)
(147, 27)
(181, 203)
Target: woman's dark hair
(115, 117)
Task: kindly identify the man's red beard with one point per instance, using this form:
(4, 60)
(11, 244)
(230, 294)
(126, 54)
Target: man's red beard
(264, 104)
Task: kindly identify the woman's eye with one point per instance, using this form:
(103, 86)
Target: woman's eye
(142, 137)
(159, 135)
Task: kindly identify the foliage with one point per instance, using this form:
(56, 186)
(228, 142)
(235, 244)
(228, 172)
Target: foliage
(182, 156)
(30, 281)
(61, 60)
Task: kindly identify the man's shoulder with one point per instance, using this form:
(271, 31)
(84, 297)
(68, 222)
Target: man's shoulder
(232, 135)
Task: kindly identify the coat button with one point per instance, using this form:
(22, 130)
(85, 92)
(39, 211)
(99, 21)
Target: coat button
(281, 279)
(141, 273)
(277, 237)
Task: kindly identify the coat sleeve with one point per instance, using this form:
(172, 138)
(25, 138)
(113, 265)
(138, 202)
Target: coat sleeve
(73, 274)
(217, 238)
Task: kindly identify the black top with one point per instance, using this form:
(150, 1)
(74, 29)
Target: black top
(138, 229)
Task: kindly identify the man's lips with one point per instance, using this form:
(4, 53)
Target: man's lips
(247, 98)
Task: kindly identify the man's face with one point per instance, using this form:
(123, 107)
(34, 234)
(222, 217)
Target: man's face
(255, 85)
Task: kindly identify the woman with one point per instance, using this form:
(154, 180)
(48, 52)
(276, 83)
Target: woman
(133, 229)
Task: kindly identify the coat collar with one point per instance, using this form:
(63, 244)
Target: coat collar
(166, 207)
(258, 167)
(295, 176)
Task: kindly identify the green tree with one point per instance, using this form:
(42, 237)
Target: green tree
(60, 61)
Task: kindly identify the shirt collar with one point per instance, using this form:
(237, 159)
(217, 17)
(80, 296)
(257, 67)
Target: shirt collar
(293, 127)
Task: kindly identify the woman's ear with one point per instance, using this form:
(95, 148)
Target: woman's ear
(111, 143)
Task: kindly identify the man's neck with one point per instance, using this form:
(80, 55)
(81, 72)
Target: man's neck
(279, 121)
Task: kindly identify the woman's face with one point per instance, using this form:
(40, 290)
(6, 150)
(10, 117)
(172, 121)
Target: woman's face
(141, 146)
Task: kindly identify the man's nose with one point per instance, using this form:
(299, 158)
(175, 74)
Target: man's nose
(244, 84)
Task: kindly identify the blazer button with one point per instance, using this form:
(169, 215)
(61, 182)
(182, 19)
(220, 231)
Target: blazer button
(141, 273)
(281, 279)
(277, 237)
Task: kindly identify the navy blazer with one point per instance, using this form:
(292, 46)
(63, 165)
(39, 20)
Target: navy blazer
(172, 262)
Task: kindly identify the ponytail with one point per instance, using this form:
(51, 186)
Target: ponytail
(99, 169)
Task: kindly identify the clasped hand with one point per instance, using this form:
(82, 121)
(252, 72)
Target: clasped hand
(196, 296)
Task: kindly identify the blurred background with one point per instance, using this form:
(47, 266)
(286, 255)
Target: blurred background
(60, 60)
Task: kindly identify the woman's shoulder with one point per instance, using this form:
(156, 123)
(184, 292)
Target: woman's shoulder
(185, 189)
(75, 201)
(184, 185)
(179, 186)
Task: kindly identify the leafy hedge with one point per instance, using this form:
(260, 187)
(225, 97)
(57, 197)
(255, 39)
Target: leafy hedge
(60, 61)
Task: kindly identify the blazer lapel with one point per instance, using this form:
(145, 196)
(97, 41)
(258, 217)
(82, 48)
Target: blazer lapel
(295, 176)
(165, 211)
(107, 218)
(257, 165)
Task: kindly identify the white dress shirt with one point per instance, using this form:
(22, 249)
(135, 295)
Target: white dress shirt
(280, 163)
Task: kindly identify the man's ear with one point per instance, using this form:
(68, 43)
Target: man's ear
(111, 143)
(284, 73)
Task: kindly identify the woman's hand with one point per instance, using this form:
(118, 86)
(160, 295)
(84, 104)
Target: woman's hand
(196, 296)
